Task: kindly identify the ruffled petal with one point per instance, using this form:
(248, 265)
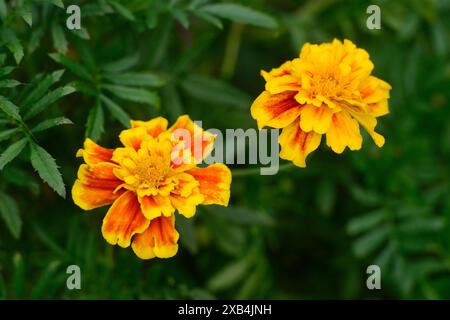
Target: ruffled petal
(317, 119)
(283, 83)
(343, 132)
(156, 206)
(123, 220)
(275, 110)
(93, 153)
(369, 123)
(158, 240)
(154, 127)
(199, 141)
(296, 144)
(132, 138)
(95, 186)
(214, 182)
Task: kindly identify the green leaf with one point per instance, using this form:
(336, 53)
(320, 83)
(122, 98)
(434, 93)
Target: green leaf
(137, 79)
(366, 221)
(9, 212)
(74, 66)
(26, 15)
(38, 87)
(59, 38)
(241, 215)
(47, 169)
(182, 18)
(58, 3)
(122, 10)
(217, 91)
(4, 71)
(134, 94)
(7, 83)
(123, 64)
(9, 108)
(8, 133)
(12, 152)
(239, 13)
(209, 18)
(12, 43)
(95, 122)
(230, 275)
(50, 123)
(48, 99)
(370, 241)
(116, 111)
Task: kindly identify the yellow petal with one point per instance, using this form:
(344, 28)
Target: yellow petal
(154, 127)
(343, 132)
(155, 206)
(296, 144)
(123, 220)
(317, 119)
(214, 182)
(275, 110)
(158, 240)
(132, 138)
(93, 153)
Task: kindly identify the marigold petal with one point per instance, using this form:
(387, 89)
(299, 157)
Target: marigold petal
(214, 182)
(369, 123)
(133, 137)
(123, 220)
(158, 240)
(275, 110)
(344, 132)
(93, 153)
(316, 119)
(297, 144)
(155, 206)
(154, 127)
(95, 186)
(283, 83)
(187, 205)
(200, 142)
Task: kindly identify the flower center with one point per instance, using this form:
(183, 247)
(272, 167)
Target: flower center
(325, 84)
(150, 171)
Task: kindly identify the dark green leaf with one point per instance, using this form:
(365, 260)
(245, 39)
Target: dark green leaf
(9, 212)
(12, 152)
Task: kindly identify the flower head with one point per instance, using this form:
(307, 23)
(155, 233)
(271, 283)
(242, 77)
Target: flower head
(153, 175)
(328, 90)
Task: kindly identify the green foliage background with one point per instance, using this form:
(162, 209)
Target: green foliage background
(304, 233)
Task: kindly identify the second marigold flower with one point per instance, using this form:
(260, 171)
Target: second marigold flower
(328, 90)
(146, 183)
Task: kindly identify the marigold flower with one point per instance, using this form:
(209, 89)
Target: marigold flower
(145, 185)
(328, 90)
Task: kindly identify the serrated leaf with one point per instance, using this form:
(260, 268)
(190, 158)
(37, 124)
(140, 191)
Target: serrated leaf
(95, 122)
(239, 13)
(116, 111)
(137, 79)
(47, 100)
(12, 43)
(38, 87)
(7, 83)
(74, 66)
(9, 212)
(47, 169)
(215, 90)
(50, 123)
(9, 108)
(12, 152)
(123, 64)
(59, 38)
(8, 133)
(134, 94)
(122, 10)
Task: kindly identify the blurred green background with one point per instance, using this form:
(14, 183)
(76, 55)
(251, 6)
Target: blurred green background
(302, 234)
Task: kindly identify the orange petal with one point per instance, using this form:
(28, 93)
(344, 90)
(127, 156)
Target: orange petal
(154, 127)
(95, 186)
(159, 240)
(283, 83)
(343, 132)
(200, 141)
(133, 137)
(155, 206)
(296, 144)
(275, 110)
(93, 153)
(187, 205)
(123, 220)
(214, 182)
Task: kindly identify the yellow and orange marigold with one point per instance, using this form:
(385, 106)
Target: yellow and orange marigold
(146, 182)
(328, 90)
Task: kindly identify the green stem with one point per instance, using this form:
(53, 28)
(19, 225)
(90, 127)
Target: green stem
(257, 171)
(232, 50)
